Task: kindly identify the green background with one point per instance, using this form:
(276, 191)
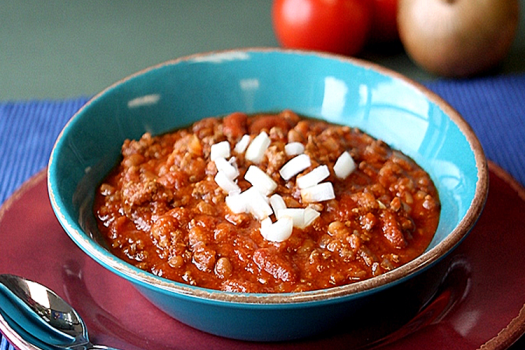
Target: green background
(59, 49)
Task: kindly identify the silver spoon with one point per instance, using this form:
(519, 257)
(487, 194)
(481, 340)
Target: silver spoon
(41, 313)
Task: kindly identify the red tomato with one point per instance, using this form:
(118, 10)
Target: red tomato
(384, 21)
(338, 26)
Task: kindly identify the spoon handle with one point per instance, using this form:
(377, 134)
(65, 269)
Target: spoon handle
(91, 347)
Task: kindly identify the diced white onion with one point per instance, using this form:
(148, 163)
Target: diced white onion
(344, 165)
(243, 143)
(226, 168)
(277, 203)
(293, 148)
(221, 149)
(260, 180)
(257, 203)
(233, 162)
(278, 231)
(310, 215)
(227, 184)
(313, 177)
(318, 193)
(255, 151)
(237, 203)
(294, 166)
(297, 215)
(255, 199)
(266, 225)
(302, 217)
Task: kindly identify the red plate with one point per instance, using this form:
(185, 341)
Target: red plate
(481, 302)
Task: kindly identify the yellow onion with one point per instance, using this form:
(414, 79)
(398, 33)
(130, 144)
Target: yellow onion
(457, 38)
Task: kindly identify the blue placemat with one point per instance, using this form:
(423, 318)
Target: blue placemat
(4, 345)
(28, 130)
(494, 107)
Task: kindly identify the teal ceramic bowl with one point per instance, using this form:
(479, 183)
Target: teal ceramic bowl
(338, 89)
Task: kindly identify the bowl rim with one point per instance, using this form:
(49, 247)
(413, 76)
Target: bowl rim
(150, 281)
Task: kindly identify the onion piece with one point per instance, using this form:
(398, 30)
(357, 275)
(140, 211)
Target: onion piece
(318, 193)
(294, 166)
(237, 203)
(226, 168)
(313, 177)
(257, 203)
(243, 143)
(293, 148)
(221, 149)
(266, 226)
(278, 231)
(233, 162)
(255, 151)
(297, 215)
(310, 215)
(277, 203)
(302, 217)
(260, 180)
(344, 165)
(227, 184)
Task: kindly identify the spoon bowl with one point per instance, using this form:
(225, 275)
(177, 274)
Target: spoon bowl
(35, 310)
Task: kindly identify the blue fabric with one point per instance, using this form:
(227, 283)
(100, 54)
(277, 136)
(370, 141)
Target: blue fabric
(27, 133)
(494, 107)
(4, 345)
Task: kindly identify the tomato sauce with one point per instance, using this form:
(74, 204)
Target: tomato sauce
(161, 209)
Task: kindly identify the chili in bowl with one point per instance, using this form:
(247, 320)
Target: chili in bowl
(241, 191)
(272, 203)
